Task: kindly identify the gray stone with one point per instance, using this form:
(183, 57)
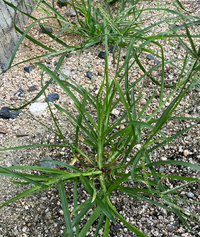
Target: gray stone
(37, 109)
(101, 55)
(71, 12)
(190, 195)
(117, 227)
(161, 169)
(169, 228)
(32, 88)
(151, 57)
(52, 97)
(20, 92)
(48, 164)
(89, 74)
(5, 113)
(29, 68)
(8, 35)
(48, 29)
(157, 62)
(68, 73)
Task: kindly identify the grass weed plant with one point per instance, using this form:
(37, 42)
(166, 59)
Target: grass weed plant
(113, 163)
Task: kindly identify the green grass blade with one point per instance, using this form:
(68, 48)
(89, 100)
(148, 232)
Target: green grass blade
(117, 183)
(32, 146)
(135, 162)
(82, 213)
(21, 195)
(101, 205)
(170, 138)
(106, 228)
(146, 105)
(65, 208)
(100, 222)
(89, 223)
(75, 197)
(21, 176)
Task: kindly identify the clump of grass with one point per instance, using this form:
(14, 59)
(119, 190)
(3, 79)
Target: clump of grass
(113, 162)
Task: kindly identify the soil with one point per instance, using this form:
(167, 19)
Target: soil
(41, 214)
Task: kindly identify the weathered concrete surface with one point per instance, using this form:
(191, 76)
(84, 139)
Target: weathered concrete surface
(8, 35)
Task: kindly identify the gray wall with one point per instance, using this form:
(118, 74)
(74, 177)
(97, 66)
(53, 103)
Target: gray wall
(8, 35)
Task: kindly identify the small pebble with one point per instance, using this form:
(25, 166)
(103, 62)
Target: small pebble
(190, 195)
(89, 66)
(48, 29)
(71, 12)
(143, 101)
(5, 113)
(32, 88)
(20, 92)
(48, 164)
(117, 227)
(190, 112)
(124, 57)
(163, 158)
(52, 97)
(157, 62)
(68, 73)
(37, 108)
(115, 112)
(29, 68)
(101, 55)
(174, 26)
(186, 153)
(62, 3)
(151, 57)
(169, 228)
(89, 74)
(198, 108)
(68, 55)
(161, 169)
(176, 224)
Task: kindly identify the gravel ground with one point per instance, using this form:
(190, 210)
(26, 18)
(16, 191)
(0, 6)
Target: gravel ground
(41, 214)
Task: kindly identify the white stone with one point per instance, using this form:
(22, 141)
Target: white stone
(61, 212)
(71, 12)
(170, 77)
(68, 73)
(143, 101)
(163, 158)
(198, 108)
(115, 112)
(186, 153)
(37, 109)
(138, 146)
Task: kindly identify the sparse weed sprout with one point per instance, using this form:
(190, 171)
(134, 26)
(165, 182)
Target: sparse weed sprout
(115, 166)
